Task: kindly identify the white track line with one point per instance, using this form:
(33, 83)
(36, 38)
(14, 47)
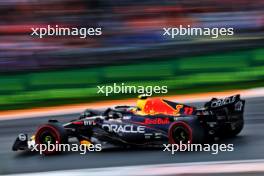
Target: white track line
(215, 167)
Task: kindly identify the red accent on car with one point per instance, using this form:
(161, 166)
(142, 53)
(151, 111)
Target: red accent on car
(188, 110)
(78, 123)
(157, 121)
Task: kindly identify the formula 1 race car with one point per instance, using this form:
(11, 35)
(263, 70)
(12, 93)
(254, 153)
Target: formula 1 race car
(153, 121)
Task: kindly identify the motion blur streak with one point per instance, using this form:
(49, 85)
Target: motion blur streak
(126, 24)
(39, 72)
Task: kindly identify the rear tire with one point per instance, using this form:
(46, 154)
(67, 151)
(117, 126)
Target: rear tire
(52, 133)
(186, 132)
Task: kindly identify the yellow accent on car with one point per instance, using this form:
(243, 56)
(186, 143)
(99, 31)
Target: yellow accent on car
(141, 104)
(142, 97)
(85, 142)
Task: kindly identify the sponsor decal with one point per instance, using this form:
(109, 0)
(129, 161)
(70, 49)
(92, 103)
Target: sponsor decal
(123, 128)
(85, 122)
(148, 135)
(157, 121)
(89, 122)
(158, 135)
(238, 106)
(22, 137)
(127, 117)
(221, 102)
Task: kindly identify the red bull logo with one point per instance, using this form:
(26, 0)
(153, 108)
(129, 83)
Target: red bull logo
(157, 121)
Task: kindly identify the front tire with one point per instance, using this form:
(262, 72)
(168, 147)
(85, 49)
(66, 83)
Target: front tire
(51, 133)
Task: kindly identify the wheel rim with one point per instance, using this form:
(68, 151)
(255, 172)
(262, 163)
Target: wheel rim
(181, 134)
(47, 137)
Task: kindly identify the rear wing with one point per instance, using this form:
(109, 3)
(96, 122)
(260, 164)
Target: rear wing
(234, 102)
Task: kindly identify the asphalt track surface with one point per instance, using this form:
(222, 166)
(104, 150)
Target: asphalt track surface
(247, 145)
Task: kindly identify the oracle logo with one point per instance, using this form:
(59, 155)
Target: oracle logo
(123, 129)
(222, 102)
(157, 121)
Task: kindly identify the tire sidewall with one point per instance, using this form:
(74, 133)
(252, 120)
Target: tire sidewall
(57, 131)
(194, 128)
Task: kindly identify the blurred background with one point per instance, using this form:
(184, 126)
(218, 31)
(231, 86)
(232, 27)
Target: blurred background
(58, 70)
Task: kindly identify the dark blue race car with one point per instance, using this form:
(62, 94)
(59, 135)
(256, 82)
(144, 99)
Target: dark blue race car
(152, 122)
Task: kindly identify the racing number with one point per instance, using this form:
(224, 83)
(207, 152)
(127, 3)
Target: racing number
(188, 110)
